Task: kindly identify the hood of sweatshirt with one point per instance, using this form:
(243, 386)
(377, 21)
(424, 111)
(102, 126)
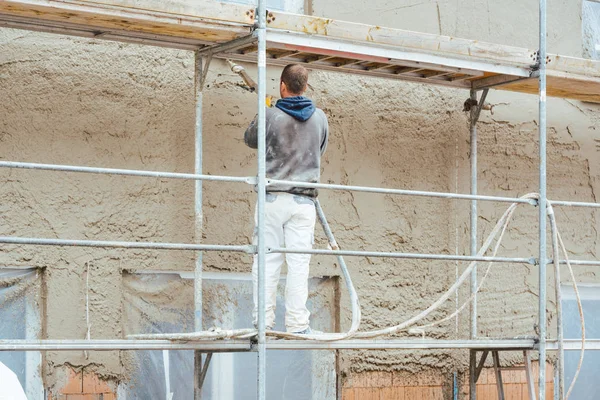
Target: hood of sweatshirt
(299, 107)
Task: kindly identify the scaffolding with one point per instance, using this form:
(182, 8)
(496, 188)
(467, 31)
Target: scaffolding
(274, 45)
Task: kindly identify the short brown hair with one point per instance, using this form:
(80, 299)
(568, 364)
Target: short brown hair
(295, 77)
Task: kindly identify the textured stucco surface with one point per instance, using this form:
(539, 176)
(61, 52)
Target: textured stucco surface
(75, 101)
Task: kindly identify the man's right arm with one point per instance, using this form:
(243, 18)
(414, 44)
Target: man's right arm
(251, 134)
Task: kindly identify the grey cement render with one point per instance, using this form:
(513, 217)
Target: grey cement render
(89, 102)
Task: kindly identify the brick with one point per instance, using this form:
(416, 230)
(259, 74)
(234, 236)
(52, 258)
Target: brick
(348, 394)
(372, 379)
(549, 373)
(492, 391)
(392, 393)
(480, 390)
(486, 376)
(550, 391)
(525, 391)
(482, 380)
(535, 368)
(513, 391)
(487, 392)
(74, 383)
(93, 384)
(412, 393)
(367, 393)
(402, 378)
(433, 393)
(83, 397)
(514, 376)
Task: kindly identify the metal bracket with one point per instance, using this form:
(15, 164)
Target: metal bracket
(536, 57)
(469, 104)
(475, 106)
(227, 46)
(537, 261)
(200, 80)
(533, 261)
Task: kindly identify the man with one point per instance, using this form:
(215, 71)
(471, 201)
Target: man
(296, 138)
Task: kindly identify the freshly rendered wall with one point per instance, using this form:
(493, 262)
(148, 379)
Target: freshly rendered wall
(90, 102)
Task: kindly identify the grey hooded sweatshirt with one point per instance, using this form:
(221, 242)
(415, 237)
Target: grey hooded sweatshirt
(296, 138)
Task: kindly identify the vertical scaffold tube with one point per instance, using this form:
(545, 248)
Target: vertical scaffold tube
(198, 83)
(261, 32)
(473, 244)
(542, 201)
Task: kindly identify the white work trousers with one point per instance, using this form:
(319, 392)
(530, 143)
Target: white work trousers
(290, 223)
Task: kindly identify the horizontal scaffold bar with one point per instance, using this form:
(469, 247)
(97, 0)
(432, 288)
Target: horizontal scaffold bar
(419, 256)
(122, 344)
(405, 192)
(574, 204)
(125, 245)
(574, 344)
(246, 249)
(247, 345)
(252, 181)
(578, 262)
(126, 172)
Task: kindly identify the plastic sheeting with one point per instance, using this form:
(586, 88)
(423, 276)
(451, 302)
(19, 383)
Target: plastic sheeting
(161, 303)
(19, 313)
(587, 385)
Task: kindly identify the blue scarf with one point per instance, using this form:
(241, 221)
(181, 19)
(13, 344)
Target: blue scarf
(299, 107)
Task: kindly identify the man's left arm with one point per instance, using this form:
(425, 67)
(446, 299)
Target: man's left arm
(251, 134)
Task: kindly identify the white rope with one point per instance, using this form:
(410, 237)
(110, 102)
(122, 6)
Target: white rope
(474, 294)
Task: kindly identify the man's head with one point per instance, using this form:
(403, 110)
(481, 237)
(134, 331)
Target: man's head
(294, 79)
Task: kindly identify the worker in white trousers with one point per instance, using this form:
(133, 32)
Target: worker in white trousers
(296, 138)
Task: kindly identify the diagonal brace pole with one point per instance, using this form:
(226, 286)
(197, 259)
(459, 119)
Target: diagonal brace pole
(205, 369)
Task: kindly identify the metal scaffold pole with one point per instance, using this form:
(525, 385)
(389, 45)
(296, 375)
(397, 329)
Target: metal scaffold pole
(198, 221)
(474, 117)
(473, 219)
(200, 73)
(473, 246)
(542, 201)
(261, 31)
